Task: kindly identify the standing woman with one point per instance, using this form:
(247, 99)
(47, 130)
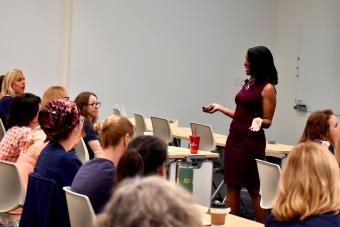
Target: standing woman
(89, 108)
(255, 106)
(13, 84)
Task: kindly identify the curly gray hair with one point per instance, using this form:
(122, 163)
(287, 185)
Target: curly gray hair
(149, 202)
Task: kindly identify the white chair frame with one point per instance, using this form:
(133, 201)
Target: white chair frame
(79, 208)
(269, 174)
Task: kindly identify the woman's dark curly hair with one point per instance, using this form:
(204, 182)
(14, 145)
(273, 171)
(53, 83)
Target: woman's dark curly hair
(58, 119)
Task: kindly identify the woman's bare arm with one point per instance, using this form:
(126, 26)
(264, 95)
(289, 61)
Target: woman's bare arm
(269, 104)
(213, 107)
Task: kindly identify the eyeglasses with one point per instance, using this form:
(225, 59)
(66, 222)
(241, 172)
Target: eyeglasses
(95, 104)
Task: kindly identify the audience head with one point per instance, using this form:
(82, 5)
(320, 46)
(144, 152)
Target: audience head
(321, 125)
(147, 202)
(309, 184)
(24, 110)
(145, 155)
(88, 105)
(59, 119)
(13, 83)
(261, 64)
(53, 93)
(115, 129)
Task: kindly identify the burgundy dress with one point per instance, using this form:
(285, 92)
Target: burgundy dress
(243, 145)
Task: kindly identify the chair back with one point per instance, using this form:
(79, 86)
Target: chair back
(196, 179)
(269, 174)
(161, 129)
(207, 139)
(81, 151)
(140, 124)
(79, 208)
(12, 190)
(2, 130)
(116, 111)
(45, 203)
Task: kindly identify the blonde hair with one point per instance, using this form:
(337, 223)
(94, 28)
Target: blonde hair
(10, 77)
(147, 202)
(113, 129)
(53, 93)
(309, 184)
(337, 150)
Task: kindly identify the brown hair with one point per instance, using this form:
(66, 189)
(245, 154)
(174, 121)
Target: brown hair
(147, 202)
(53, 93)
(317, 126)
(1, 79)
(113, 129)
(82, 101)
(309, 184)
(10, 77)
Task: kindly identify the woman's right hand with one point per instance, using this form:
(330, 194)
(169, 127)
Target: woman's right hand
(211, 108)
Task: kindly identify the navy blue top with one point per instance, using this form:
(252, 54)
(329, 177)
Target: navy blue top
(4, 108)
(96, 180)
(90, 134)
(322, 220)
(57, 164)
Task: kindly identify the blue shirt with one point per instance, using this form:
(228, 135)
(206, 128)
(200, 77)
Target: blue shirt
(57, 164)
(90, 134)
(322, 220)
(95, 179)
(4, 109)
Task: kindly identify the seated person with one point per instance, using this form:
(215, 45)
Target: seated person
(96, 177)
(36, 141)
(146, 155)
(89, 108)
(321, 127)
(23, 119)
(57, 164)
(309, 189)
(62, 124)
(147, 202)
(13, 84)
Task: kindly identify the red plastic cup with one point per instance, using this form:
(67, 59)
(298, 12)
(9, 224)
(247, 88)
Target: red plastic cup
(194, 143)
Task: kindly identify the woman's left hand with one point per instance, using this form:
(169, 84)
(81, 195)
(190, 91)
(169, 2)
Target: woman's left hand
(256, 124)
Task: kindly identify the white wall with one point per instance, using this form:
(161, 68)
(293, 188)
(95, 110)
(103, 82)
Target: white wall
(30, 40)
(166, 58)
(288, 124)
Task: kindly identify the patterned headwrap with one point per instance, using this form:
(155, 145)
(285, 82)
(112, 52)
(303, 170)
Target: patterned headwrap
(58, 118)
